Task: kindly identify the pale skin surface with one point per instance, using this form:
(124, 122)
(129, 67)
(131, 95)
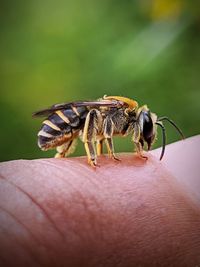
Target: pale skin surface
(62, 212)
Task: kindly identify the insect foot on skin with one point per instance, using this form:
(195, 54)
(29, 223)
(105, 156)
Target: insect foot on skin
(97, 121)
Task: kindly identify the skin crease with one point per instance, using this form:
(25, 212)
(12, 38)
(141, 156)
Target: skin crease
(62, 212)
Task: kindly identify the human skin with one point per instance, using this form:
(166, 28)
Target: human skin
(136, 212)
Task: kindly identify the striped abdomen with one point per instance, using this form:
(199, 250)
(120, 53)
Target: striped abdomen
(61, 126)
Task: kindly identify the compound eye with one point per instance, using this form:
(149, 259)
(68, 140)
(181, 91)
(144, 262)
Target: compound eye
(147, 126)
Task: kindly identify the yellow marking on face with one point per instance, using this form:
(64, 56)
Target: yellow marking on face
(43, 133)
(143, 108)
(50, 124)
(132, 104)
(62, 116)
(75, 110)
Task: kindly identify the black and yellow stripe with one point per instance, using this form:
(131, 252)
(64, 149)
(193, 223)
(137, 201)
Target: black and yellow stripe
(52, 125)
(61, 125)
(62, 116)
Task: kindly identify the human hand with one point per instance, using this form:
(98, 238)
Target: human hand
(62, 212)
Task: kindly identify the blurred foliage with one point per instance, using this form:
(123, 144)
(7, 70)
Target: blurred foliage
(56, 51)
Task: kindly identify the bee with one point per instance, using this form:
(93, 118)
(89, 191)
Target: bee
(97, 121)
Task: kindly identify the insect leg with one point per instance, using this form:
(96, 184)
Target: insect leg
(66, 149)
(92, 124)
(137, 140)
(108, 133)
(99, 147)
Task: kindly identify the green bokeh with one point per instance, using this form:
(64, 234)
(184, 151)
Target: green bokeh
(57, 51)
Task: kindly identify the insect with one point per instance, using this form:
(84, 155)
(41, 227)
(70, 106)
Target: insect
(97, 121)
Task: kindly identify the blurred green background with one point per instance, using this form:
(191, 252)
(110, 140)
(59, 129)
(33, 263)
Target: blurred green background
(57, 51)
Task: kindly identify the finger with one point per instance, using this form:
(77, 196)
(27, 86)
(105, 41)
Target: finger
(182, 159)
(61, 212)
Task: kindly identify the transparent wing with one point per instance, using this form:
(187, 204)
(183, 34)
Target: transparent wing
(100, 103)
